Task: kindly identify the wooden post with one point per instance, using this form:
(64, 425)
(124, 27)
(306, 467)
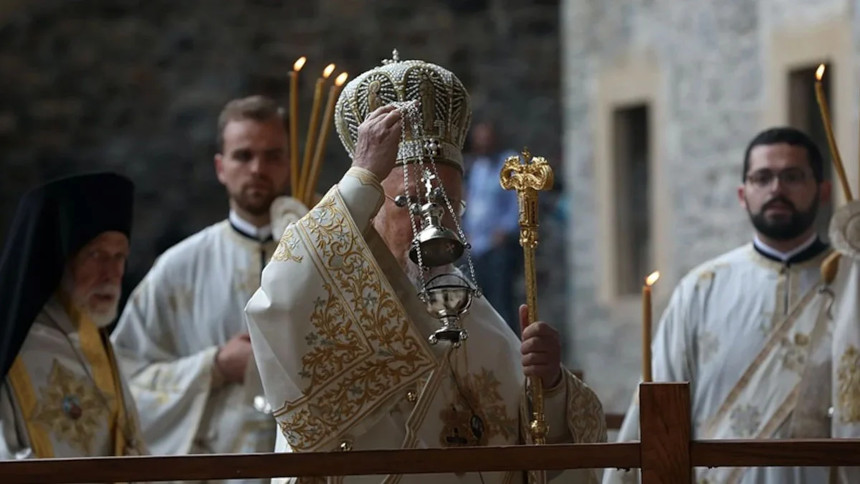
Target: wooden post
(664, 412)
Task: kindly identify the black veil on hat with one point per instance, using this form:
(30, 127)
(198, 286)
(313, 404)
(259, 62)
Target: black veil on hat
(52, 223)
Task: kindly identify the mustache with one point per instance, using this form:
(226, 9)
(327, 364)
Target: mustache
(779, 199)
(106, 290)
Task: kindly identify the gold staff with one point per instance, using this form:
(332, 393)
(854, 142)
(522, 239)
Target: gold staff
(527, 178)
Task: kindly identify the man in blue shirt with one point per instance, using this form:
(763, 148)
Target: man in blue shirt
(491, 223)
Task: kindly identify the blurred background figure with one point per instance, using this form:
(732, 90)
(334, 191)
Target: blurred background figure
(491, 222)
(183, 327)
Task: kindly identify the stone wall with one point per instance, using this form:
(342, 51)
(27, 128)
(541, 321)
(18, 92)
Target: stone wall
(710, 55)
(135, 86)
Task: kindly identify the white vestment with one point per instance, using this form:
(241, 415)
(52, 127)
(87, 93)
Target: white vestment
(739, 329)
(340, 338)
(188, 305)
(58, 401)
(843, 384)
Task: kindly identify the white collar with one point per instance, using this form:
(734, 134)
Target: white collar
(249, 229)
(784, 256)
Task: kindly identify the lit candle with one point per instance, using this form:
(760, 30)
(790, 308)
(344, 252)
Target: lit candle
(646, 325)
(294, 125)
(312, 131)
(326, 129)
(828, 129)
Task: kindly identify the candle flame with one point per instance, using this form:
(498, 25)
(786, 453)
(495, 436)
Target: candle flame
(652, 278)
(819, 73)
(341, 79)
(328, 70)
(300, 62)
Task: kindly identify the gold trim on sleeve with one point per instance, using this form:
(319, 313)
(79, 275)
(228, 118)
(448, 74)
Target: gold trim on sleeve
(22, 387)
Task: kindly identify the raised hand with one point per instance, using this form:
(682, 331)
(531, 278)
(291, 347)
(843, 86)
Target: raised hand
(378, 141)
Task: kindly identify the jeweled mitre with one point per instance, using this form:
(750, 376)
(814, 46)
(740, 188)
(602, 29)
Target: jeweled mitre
(443, 109)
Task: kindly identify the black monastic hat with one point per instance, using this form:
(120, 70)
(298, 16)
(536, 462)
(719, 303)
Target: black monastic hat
(53, 222)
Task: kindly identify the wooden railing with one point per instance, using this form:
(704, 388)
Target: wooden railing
(666, 455)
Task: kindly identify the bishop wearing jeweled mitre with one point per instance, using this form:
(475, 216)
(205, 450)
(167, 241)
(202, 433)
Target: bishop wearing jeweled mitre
(339, 332)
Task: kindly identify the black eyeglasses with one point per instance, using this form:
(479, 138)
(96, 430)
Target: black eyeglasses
(460, 205)
(790, 177)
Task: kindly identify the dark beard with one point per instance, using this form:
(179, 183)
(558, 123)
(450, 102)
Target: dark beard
(797, 224)
(254, 205)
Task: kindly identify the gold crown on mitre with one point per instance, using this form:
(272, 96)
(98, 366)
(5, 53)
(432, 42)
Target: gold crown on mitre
(444, 109)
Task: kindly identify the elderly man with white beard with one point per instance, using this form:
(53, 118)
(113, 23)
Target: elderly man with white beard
(60, 274)
(340, 334)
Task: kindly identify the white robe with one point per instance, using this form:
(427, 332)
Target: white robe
(341, 342)
(188, 305)
(843, 386)
(721, 317)
(68, 413)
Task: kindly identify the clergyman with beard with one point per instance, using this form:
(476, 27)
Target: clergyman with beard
(61, 270)
(182, 338)
(740, 327)
(339, 333)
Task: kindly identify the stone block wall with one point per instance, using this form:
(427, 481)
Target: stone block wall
(711, 57)
(135, 86)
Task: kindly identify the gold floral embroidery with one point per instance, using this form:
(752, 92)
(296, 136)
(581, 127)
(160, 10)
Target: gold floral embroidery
(745, 421)
(794, 352)
(362, 348)
(71, 408)
(848, 376)
(287, 246)
(478, 413)
(585, 415)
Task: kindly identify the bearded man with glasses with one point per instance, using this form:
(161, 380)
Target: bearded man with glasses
(741, 328)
